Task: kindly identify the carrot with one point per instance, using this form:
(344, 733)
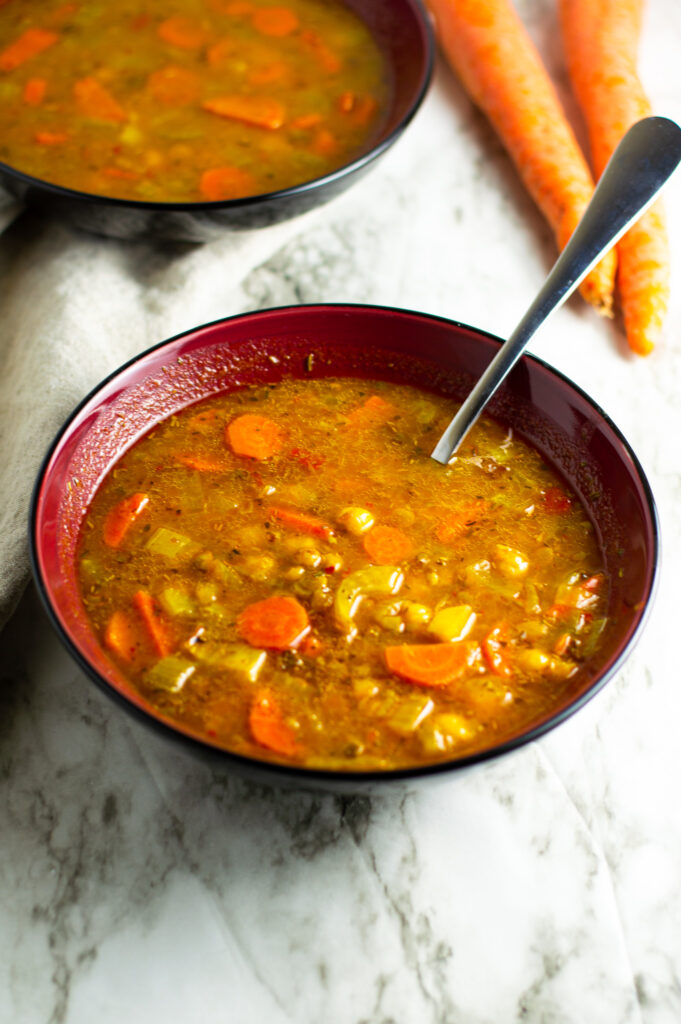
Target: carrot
(204, 422)
(185, 33)
(122, 636)
(489, 48)
(275, 21)
(120, 173)
(386, 545)
(324, 143)
(301, 521)
(493, 647)
(202, 463)
(227, 182)
(93, 100)
(312, 646)
(155, 625)
(556, 500)
(273, 72)
(360, 109)
(256, 110)
(601, 39)
(174, 86)
(460, 521)
(31, 43)
(221, 51)
(310, 120)
(278, 623)
(323, 54)
(51, 138)
(34, 91)
(121, 518)
(431, 664)
(254, 436)
(269, 728)
(373, 413)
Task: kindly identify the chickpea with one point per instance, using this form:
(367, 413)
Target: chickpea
(295, 572)
(308, 557)
(258, 567)
(332, 562)
(356, 520)
(415, 615)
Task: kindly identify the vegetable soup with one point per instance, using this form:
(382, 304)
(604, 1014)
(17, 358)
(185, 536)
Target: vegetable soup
(214, 100)
(285, 570)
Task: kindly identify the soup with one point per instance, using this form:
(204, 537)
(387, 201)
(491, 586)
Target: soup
(186, 102)
(285, 570)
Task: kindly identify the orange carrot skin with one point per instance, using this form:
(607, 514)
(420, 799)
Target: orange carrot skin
(489, 48)
(33, 42)
(601, 41)
(301, 521)
(431, 665)
(121, 518)
(156, 627)
(268, 727)
(277, 623)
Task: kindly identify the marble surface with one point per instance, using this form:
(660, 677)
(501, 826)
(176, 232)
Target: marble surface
(137, 885)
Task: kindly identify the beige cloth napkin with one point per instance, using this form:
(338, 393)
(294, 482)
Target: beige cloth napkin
(72, 308)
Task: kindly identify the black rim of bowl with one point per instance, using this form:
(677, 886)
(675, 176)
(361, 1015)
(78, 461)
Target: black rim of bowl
(261, 199)
(300, 774)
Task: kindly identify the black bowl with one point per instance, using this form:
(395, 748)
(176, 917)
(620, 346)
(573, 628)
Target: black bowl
(402, 30)
(542, 406)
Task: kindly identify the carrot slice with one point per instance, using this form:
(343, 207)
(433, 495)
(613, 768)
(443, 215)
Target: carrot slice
(312, 646)
(386, 545)
(268, 727)
(431, 664)
(459, 521)
(324, 143)
(323, 54)
(301, 521)
(310, 120)
(360, 109)
(185, 33)
(121, 517)
(93, 100)
(122, 636)
(204, 422)
(494, 649)
(120, 173)
(254, 436)
(275, 21)
(278, 623)
(202, 463)
(34, 91)
(178, 87)
(373, 413)
(221, 51)
(273, 72)
(256, 110)
(51, 138)
(33, 42)
(220, 183)
(556, 500)
(155, 625)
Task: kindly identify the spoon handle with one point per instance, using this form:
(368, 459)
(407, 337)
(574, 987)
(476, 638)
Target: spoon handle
(641, 164)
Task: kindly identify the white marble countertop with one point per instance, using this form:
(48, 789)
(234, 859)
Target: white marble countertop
(138, 886)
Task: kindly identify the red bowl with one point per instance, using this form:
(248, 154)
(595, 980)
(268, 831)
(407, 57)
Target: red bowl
(403, 32)
(542, 406)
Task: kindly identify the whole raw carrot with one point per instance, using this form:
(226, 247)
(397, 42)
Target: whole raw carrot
(601, 40)
(489, 48)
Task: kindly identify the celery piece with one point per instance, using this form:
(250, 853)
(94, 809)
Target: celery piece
(590, 643)
(169, 674)
(374, 581)
(239, 659)
(177, 602)
(172, 545)
(409, 715)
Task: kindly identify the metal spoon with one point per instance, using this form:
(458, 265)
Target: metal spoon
(642, 163)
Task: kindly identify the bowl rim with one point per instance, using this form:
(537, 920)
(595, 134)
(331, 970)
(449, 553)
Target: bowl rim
(298, 774)
(426, 37)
